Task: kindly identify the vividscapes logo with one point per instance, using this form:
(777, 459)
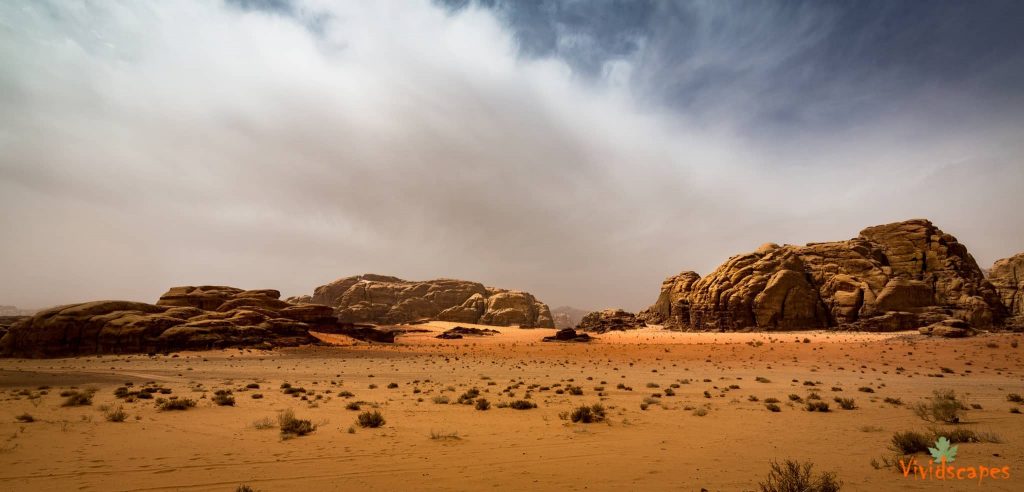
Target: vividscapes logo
(939, 468)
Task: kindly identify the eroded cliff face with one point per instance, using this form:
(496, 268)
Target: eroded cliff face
(898, 276)
(1007, 275)
(185, 318)
(382, 299)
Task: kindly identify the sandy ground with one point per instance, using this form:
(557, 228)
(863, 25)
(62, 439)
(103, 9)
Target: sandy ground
(665, 447)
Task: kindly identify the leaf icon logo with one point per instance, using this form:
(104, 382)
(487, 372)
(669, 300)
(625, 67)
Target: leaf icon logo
(942, 450)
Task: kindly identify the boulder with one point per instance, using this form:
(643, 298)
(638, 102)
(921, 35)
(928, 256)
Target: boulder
(383, 299)
(948, 328)
(899, 276)
(609, 320)
(568, 335)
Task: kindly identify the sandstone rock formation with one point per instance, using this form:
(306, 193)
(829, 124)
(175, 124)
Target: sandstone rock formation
(899, 276)
(382, 299)
(610, 320)
(1007, 275)
(567, 316)
(185, 318)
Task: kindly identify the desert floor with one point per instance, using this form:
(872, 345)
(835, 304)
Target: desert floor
(427, 445)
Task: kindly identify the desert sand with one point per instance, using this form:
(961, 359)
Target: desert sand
(432, 446)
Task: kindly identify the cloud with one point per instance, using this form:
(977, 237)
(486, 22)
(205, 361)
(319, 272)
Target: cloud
(284, 144)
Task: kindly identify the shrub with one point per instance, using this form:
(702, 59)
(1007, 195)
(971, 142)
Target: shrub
(793, 476)
(441, 400)
(773, 407)
(245, 488)
(771, 400)
(77, 398)
(253, 386)
(177, 404)
(25, 417)
(866, 389)
(911, 442)
(1015, 398)
(588, 415)
(264, 423)
(700, 412)
(893, 401)
(291, 426)
(846, 403)
(483, 404)
(817, 406)
(796, 398)
(522, 405)
(468, 397)
(762, 379)
(115, 415)
(353, 405)
(574, 390)
(943, 406)
(224, 398)
(372, 419)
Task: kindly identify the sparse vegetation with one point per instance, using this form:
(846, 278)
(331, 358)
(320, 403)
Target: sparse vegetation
(846, 403)
(291, 426)
(25, 418)
(793, 476)
(371, 420)
(115, 414)
(483, 404)
(588, 414)
(176, 404)
(522, 405)
(942, 406)
(77, 398)
(817, 406)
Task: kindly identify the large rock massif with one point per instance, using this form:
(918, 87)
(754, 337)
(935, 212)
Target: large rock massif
(185, 318)
(390, 300)
(1007, 275)
(899, 276)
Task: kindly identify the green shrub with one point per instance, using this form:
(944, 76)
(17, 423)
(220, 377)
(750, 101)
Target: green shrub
(942, 406)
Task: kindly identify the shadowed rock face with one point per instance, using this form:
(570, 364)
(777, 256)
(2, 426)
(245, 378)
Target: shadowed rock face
(891, 277)
(381, 299)
(1007, 275)
(185, 318)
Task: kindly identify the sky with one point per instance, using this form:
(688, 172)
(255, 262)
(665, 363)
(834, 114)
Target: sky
(578, 150)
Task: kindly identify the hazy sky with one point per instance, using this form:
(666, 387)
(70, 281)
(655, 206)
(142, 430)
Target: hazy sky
(578, 150)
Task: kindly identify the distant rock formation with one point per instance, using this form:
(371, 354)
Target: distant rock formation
(390, 300)
(9, 311)
(899, 276)
(567, 317)
(610, 320)
(185, 318)
(1007, 275)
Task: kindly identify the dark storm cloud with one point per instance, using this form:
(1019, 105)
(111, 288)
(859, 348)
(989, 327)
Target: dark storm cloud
(800, 64)
(579, 150)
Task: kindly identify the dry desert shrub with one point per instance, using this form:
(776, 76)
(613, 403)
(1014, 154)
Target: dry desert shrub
(942, 406)
(588, 414)
(793, 476)
(176, 404)
(116, 415)
(371, 420)
(293, 427)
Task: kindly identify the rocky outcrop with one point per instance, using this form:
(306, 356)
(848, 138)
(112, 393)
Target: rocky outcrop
(382, 299)
(568, 335)
(609, 320)
(1007, 275)
(185, 318)
(567, 317)
(899, 276)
